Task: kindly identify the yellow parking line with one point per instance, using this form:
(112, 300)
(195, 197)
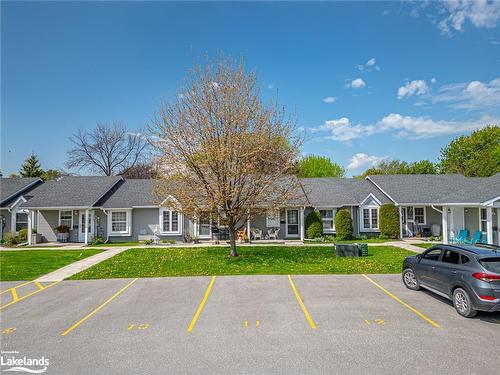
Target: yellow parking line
(93, 312)
(412, 309)
(14, 294)
(302, 306)
(38, 285)
(202, 303)
(14, 287)
(27, 295)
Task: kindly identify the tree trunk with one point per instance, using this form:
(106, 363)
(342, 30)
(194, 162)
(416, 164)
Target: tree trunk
(232, 240)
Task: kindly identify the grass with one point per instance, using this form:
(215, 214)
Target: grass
(256, 260)
(424, 245)
(368, 240)
(113, 244)
(30, 264)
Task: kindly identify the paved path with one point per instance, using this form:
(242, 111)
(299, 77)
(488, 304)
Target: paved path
(74, 268)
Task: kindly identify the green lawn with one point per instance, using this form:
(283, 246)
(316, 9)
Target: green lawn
(154, 262)
(425, 245)
(30, 264)
(112, 244)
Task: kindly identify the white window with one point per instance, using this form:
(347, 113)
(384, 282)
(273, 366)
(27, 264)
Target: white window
(419, 215)
(66, 218)
(370, 218)
(119, 221)
(328, 217)
(170, 221)
(483, 221)
(21, 221)
(273, 218)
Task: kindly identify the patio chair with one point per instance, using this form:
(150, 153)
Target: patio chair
(476, 238)
(256, 234)
(462, 236)
(273, 233)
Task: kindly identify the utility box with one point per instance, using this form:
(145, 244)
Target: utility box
(347, 250)
(363, 249)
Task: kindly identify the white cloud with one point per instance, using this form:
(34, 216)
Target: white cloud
(364, 160)
(481, 13)
(433, 80)
(417, 87)
(271, 86)
(330, 99)
(369, 66)
(470, 95)
(342, 130)
(357, 83)
(402, 126)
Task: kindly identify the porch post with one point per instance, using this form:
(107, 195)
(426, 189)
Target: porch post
(400, 222)
(86, 227)
(30, 223)
(444, 229)
(301, 223)
(489, 225)
(195, 226)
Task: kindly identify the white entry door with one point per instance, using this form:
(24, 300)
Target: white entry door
(81, 229)
(292, 223)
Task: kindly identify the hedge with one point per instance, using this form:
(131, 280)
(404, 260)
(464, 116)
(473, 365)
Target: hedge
(314, 225)
(343, 225)
(389, 220)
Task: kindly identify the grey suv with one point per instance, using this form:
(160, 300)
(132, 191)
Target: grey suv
(468, 275)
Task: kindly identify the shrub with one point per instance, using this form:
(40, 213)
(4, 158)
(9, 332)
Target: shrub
(22, 235)
(148, 242)
(10, 239)
(168, 242)
(383, 237)
(314, 225)
(389, 220)
(62, 229)
(97, 240)
(343, 225)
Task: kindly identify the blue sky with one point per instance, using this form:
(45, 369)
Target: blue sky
(368, 80)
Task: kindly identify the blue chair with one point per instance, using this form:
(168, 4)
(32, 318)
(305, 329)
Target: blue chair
(462, 236)
(476, 238)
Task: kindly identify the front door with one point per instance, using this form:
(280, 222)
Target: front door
(292, 223)
(81, 229)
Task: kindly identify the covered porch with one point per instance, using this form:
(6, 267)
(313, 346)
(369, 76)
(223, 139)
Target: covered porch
(471, 224)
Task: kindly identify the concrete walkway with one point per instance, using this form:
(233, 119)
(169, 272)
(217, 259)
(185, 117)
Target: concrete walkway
(81, 265)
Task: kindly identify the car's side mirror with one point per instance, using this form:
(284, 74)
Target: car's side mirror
(419, 257)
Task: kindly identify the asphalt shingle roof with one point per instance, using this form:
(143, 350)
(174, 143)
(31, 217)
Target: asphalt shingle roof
(131, 193)
(439, 188)
(12, 188)
(71, 191)
(337, 192)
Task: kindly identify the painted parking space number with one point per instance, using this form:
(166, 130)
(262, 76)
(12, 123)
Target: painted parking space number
(8, 331)
(141, 327)
(246, 323)
(379, 322)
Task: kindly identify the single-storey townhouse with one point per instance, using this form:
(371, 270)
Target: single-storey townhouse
(12, 192)
(125, 210)
(446, 202)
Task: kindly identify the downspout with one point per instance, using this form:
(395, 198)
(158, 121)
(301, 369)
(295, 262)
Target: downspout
(438, 210)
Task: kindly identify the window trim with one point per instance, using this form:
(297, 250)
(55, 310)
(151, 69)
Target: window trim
(72, 213)
(332, 219)
(362, 222)
(128, 231)
(160, 222)
(425, 215)
(481, 219)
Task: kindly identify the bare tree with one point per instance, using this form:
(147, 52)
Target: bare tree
(222, 150)
(107, 149)
(145, 170)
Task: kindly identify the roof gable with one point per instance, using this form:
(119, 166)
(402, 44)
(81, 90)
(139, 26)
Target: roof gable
(13, 187)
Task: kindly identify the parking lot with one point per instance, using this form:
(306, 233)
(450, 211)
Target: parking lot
(244, 324)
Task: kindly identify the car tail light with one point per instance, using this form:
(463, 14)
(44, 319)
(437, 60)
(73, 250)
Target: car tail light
(488, 277)
(489, 298)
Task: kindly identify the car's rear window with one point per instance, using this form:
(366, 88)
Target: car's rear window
(491, 264)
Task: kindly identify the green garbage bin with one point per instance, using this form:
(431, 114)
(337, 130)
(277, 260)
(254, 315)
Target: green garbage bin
(363, 249)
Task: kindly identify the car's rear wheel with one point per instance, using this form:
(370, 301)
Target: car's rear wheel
(462, 303)
(410, 279)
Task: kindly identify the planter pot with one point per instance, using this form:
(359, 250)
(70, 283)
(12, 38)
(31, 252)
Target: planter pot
(62, 237)
(36, 238)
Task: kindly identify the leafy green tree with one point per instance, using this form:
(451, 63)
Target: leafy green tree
(389, 220)
(318, 166)
(474, 155)
(402, 167)
(50, 174)
(343, 225)
(31, 167)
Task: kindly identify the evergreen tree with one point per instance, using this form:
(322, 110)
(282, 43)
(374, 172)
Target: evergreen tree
(31, 167)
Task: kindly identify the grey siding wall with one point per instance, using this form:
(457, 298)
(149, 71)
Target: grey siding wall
(48, 220)
(433, 217)
(471, 220)
(101, 223)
